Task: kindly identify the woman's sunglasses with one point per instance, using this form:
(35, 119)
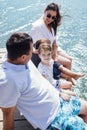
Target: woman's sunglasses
(52, 17)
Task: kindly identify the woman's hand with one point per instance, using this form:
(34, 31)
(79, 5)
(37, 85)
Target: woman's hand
(54, 51)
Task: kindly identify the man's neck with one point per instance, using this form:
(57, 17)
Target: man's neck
(16, 62)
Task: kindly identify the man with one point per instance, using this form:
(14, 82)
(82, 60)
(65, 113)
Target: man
(22, 86)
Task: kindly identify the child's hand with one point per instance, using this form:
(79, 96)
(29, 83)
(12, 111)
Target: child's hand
(65, 96)
(35, 51)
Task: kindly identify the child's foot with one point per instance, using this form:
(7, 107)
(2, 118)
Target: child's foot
(78, 76)
(73, 81)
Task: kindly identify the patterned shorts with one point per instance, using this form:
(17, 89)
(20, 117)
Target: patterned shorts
(67, 117)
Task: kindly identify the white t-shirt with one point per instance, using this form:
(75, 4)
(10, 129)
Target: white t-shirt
(47, 72)
(24, 87)
(39, 31)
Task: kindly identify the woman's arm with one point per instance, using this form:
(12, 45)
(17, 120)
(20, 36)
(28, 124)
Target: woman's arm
(8, 118)
(54, 50)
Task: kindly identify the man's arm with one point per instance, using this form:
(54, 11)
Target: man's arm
(8, 118)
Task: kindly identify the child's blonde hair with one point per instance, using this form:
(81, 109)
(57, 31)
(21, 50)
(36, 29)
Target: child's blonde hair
(43, 40)
(45, 46)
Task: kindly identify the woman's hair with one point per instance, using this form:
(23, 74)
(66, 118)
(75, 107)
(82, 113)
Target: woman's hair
(17, 45)
(44, 47)
(43, 40)
(57, 21)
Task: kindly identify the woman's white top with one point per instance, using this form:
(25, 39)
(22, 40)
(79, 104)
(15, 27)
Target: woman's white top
(39, 30)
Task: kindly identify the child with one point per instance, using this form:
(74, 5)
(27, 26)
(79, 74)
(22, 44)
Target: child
(51, 70)
(22, 86)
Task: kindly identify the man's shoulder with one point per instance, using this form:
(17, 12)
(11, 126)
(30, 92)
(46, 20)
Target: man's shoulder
(3, 77)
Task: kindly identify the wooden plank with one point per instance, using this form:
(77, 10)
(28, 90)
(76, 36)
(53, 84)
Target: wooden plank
(22, 125)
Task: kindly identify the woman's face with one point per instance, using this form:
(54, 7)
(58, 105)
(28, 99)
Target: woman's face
(49, 16)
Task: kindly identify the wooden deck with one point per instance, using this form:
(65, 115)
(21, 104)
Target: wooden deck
(20, 123)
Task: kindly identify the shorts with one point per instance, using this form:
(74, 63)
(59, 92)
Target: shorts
(67, 117)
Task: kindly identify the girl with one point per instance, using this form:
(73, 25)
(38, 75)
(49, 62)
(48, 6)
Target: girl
(51, 70)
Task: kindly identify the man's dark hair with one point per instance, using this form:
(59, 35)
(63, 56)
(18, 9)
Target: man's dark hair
(17, 45)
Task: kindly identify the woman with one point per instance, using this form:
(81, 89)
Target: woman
(46, 27)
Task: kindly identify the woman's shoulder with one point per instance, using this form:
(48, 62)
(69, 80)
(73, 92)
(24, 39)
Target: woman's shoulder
(38, 22)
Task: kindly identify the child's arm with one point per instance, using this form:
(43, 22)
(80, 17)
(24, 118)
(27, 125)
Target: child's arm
(35, 51)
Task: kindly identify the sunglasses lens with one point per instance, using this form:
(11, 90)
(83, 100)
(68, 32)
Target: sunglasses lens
(48, 16)
(52, 17)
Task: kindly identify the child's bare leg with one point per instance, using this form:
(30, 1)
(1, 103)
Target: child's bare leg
(78, 75)
(66, 73)
(65, 85)
(65, 76)
(73, 81)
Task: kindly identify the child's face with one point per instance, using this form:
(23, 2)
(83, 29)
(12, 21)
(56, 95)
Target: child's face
(45, 56)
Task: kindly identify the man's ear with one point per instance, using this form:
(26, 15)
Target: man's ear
(23, 57)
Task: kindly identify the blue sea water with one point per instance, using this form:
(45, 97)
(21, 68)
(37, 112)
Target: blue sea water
(18, 16)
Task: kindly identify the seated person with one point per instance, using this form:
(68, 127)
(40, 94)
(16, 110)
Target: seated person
(51, 70)
(22, 86)
(46, 27)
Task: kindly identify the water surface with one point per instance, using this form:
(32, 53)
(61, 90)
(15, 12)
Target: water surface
(17, 16)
